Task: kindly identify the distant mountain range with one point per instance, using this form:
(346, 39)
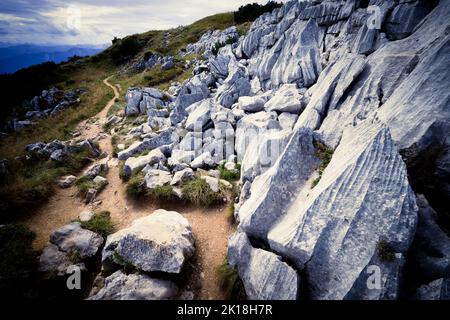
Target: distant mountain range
(15, 57)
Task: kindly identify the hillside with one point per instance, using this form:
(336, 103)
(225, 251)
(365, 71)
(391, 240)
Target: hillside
(300, 156)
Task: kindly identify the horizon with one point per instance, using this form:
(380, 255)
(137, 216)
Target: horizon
(80, 23)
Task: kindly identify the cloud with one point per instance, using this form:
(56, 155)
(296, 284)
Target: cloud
(85, 22)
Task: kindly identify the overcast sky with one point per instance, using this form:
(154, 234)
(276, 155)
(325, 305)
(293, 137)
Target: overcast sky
(97, 22)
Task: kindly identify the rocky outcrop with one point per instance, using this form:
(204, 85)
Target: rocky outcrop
(144, 100)
(332, 108)
(430, 252)
(264, 275)
(157, 178)
(49, 103)
(207, 41)
(436, 290)
(163, 138)
(70, 246)
(120, 286)
(162, 241)
(286, 99)
(73, 239)
(132, 164)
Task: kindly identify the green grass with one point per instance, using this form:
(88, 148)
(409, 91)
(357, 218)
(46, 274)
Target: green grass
(135, 188)
(122, 174)
(230, 175)
(230, 212)
(115, 108)
(218, 45)
(29, 184)
(83, 185)
(198, 192)
(230, 282)
(114, 143)
(128, 267)
(324, 154)
(62, 125)
(18, 261)
(100, 223)
(162, 194)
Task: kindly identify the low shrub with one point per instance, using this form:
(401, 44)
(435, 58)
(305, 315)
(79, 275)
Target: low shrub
(124, 49)
(218, 45)
(198, 192)
(251, 12)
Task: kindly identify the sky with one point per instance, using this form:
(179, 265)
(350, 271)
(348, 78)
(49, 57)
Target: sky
(97, 22)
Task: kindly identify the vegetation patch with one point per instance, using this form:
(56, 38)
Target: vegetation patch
(324, 154)
(83, 185)
(198, 192)
(252, 11)
(218, 45)
(31, 182)
(124, 49)
(163, 194)
(229, 175)
(230, 282)
(135, 188)
(100, 223)
(385, 251)
(18, 261)
(230, 212)
(157, 76)
(127, 266)
(122, 174)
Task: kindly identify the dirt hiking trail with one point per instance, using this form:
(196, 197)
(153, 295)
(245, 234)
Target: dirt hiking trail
(210, 227)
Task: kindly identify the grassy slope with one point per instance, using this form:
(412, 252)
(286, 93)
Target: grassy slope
(90, 72)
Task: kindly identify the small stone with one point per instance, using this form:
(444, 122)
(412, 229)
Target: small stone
(86, 215)
(66, 181)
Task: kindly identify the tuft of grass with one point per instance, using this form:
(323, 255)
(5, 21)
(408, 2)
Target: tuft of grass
(385, 251)
(83, 185)
(230, 282)
(198, 192)
(100, 223)
(229, 175)
(135, 188)
(17, 263)
(128, 267)
(230, 212)
(162, 194)
(324, 154)
(122, 174)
